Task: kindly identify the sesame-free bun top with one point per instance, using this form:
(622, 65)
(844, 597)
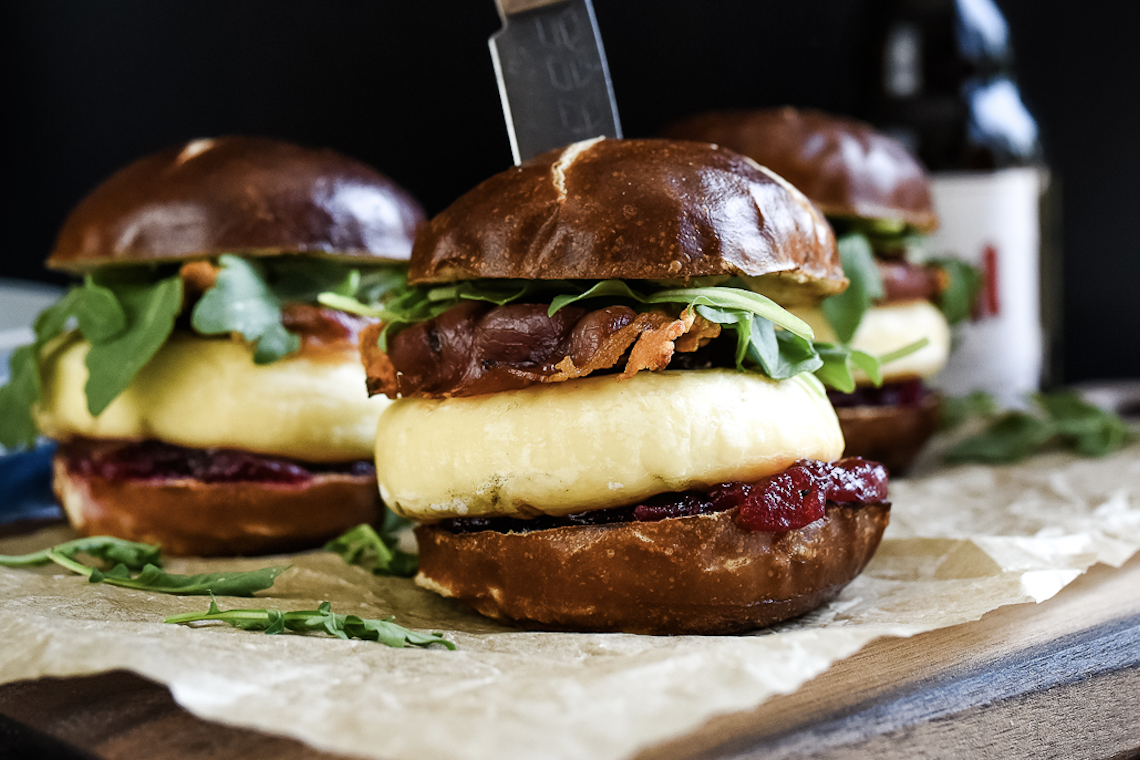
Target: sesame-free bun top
(846, 167)
(250, 196)
(638, 210)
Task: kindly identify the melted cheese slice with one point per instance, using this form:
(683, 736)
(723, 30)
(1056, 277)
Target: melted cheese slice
(596, 442)
(891, 327)
(207, 392)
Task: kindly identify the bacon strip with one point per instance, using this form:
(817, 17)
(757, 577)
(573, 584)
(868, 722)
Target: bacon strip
(321, 328)
(475, 348)
(904, 281)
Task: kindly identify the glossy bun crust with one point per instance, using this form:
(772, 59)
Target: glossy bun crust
(192, 518)
(633, 209)
(249, 196)
(689, 575)
(893, 435)
(846, 167)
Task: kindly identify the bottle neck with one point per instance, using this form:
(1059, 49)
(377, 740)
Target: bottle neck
(941, 81)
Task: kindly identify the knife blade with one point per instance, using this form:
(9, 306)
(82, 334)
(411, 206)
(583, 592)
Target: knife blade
(553, 78)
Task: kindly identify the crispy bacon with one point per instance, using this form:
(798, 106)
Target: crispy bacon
(321, 328)
(904, 281)
(477, 348)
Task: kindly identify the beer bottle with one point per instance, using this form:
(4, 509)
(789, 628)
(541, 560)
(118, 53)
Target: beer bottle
(941, 80)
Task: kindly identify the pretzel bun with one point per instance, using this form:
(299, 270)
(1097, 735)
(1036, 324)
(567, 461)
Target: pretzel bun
(846, 167)
(893, 435)
(686, 575)
(190, 517)
(635, 210)
(249, 196)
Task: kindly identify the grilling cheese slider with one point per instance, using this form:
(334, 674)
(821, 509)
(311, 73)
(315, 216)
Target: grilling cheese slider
(201, 397)
(876, 195)
(601, 424)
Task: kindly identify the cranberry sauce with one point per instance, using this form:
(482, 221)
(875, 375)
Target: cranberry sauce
(156, 460)
(905, 393)
(785, 501)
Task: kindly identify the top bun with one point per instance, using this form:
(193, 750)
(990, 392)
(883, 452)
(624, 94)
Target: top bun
(250, 196)
(845, 166)
(634, 209)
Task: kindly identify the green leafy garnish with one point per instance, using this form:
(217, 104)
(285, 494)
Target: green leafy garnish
(116, 356)
(722, 298)
(1057, 419)
(964, 284)
(955, 410)
(249, 295)
(770, 339)
(130, 554)
(320, 620)
(845, 311)
(375, 552)
(241, 301)
(125, 315)
(145, 560)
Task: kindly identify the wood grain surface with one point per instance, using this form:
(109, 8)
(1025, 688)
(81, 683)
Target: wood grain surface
(1056, 680)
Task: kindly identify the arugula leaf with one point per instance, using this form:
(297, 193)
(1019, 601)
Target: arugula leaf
(17, 428)
(241, 301)
(248, 297)
(125, 316)
(1060, 418)
(723, 298)
(956, 410)
(375, 552)
(965, 283)
(781, 354)
(302, 278)
(149, 311)
(320, 620)
(378, 282)
(1011, 437)
(845, 311)
(130, 556)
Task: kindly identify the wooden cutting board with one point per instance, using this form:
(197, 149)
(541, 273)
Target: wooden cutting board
(1056, 680)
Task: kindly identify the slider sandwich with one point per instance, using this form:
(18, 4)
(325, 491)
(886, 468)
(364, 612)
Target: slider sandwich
(202, 398)
(876, 196)
(601, 423)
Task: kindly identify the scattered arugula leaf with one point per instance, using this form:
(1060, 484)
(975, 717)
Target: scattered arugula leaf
(955, 410)
(145, 559)
(1056, 419)
(320, 620)
(845, 311)
(131, 554)
(375, 552)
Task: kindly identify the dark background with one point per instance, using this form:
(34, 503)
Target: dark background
(409, 88)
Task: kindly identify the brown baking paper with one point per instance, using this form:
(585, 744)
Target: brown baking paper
(962, 542)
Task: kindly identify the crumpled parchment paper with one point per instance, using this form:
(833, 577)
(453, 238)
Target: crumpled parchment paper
(962, 541)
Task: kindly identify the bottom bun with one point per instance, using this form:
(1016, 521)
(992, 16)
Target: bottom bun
(701, 574)
(192, 518)
(893, 435)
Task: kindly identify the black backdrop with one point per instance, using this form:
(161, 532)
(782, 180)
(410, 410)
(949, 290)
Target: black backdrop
(409, 88)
